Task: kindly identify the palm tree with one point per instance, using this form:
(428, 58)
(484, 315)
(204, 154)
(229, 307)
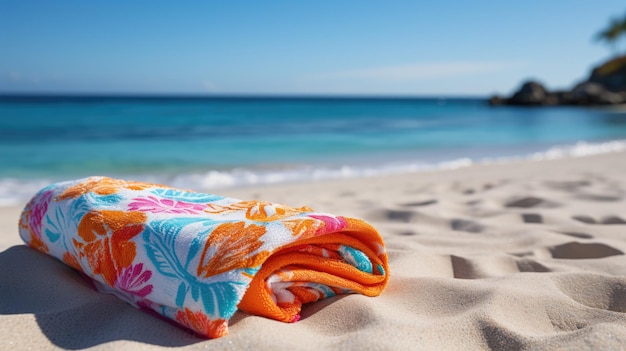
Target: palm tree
(623, 27)
(616, 28)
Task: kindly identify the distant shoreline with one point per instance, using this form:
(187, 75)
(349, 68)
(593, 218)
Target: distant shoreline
(605, 86)
(153, 97)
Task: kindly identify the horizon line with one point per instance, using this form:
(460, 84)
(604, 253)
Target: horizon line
(130, 95)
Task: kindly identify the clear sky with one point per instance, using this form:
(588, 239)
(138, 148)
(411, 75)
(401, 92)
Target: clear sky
(379, 47)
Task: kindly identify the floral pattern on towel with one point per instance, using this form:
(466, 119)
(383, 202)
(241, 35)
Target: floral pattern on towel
(196, 258)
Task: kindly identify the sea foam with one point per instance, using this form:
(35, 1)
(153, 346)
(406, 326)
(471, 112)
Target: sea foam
(14, 191)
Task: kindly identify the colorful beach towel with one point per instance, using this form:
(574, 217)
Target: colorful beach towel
(196, 258)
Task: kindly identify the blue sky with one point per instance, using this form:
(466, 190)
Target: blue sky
(295, 47)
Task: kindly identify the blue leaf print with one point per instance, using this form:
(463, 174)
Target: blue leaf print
(180, 295)
(356, 258)
(194, 248)
(80, 206)
(160, 255)
(101, 202)
(106, 200)
(219, 299)
(52, 236)
(58, 224)
(160, 237)
(186, 196)
(324, 290)
(55, 225)
(195, 292)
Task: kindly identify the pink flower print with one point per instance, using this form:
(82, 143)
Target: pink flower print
(156, 205)
(332, 224)
(37, 211)
(133, 280)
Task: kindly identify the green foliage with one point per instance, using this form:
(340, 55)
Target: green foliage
(611, 66)
(613, 32)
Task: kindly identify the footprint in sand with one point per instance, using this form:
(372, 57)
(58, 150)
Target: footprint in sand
(403, 216)
(530, 265)
(405, 233)
(419, 203)
(584, 219)
(532, 218)
(493, 266)
(575, 234)
(465, 225)
(469, 189)
(613, 220)
(500, 337)
(481, 267)
(604, 220)
(530, 201)
(463, 268)
(576, 250)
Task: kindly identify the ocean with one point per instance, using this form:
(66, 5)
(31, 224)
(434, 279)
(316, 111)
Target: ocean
(207, 143)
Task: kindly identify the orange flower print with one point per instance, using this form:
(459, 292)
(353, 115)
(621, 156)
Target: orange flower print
(37, 244)
(107, 244)
(200, 323)
(258, 210)
(238, 206)
(267, 212)
(71, 261)
(302, 228)
(229, 247)
(104, 186)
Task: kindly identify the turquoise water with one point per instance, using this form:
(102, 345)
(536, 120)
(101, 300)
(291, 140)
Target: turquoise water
(213, 142)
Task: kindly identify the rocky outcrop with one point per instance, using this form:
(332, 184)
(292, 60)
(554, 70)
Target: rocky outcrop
(605, 86)
(590, 93)
(531, 93)
(611, 75)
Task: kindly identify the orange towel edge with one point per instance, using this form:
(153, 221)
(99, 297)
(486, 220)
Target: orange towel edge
(257, 299)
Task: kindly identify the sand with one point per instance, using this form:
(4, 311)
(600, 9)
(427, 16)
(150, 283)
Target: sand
(526, 255)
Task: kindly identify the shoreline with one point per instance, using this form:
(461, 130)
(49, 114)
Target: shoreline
(14, 191)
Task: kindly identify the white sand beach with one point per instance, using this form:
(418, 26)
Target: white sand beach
(517, 256)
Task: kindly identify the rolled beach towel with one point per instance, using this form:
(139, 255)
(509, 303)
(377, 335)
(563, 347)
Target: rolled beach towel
(196, 258)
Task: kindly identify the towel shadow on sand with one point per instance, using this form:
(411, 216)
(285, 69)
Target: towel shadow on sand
(74, 316)
(68, 311)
